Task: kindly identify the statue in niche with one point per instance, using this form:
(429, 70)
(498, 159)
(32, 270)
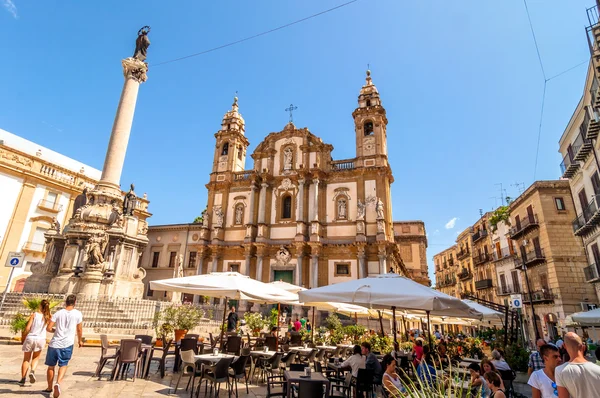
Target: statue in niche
(360, 228)
(129, 202)
(239, 214)
(80, 201)
(288, 158)
(218, 217)
(142, 43)
(342, 213)
(205, 218)
(360, 206)
(379, 209)
(95, 251)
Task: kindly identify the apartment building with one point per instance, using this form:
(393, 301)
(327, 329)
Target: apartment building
(446, 266)
(482, 264)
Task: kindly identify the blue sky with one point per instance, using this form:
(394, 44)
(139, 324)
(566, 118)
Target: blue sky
(460, 81)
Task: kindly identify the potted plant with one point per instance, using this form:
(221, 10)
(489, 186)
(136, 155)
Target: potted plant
(187, 317)
(254, 322)
(164, 322)
(18, 324)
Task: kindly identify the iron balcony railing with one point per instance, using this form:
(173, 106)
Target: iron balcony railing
(463, 253)
(483, 284)
(465, 274)
(532, 257)
(524, 225)
(592, 273)
(508, 289)
(447, 282)
(539, 295)
(504, 252)
(584, 145)
(482, 233)
(481, 258)
(569, 165)
(585, 221)
(49, 205)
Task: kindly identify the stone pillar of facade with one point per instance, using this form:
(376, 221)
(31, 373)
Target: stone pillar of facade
(260, 253)
(299, 261)
(247, 259)
(315, 205)
(300, 217)
(362, 261)
(382, 260)
(250, 224)
(314, 266)
(215, 261)
(262, 202)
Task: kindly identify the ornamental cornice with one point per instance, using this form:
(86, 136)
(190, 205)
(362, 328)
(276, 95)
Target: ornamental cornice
(135, 69)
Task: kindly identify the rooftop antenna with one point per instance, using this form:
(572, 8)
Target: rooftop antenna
(502, 192)
(481, 212)
(520, 186)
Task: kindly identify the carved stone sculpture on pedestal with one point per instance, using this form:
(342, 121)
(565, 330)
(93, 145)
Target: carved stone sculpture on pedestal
(105, 224)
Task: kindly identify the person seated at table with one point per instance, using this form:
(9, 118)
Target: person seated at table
(498, 360)
(442, 352)
(417, 352)
(478, 383)
(426, 371)
(274, 331)
(487, 366)
(494, 381)
(355, 361)
(371, 362)
(391, 380)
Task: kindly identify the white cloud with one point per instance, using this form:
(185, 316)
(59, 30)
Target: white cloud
(450, 224)
(436, 232)
(10, 7)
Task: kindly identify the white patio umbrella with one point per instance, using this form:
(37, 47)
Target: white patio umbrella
(490, 317)
(587, 318)
(227, 285)
(391, 291)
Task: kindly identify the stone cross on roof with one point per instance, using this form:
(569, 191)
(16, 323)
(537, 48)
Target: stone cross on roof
(291, 110)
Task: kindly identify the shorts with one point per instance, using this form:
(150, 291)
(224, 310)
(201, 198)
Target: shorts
(62, 356)
(34, 344)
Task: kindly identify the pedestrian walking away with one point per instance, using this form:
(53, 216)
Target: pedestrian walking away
(577, 378)
(543, 381)
(65, 324)
(35, 340)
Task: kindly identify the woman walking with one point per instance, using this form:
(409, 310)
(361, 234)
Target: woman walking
(35, 340)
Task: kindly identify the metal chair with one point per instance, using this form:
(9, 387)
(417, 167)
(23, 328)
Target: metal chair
(104, 357)
(188, 367)
(129, 353)
(217, 374)
(237, 371)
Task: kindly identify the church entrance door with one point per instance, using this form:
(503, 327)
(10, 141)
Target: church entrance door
(283, 275)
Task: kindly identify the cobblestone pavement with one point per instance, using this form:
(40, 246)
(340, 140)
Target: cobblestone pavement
(80, 383)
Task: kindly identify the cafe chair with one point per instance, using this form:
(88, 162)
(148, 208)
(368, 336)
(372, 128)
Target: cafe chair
(189, 368)
(129, 353)
(309, 389)
(237, 371)
(162, 359)
(287, 359)
(276, 387)
(144, 338)
(217, 374)
(104, 356)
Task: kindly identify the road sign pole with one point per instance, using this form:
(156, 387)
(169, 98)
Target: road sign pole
(7, 287)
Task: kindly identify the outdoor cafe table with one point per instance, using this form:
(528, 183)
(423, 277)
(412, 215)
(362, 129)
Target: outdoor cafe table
(471, 360)
(302, 350)
(327, 347)
(295, 377)
(212, 358)
(338, 368)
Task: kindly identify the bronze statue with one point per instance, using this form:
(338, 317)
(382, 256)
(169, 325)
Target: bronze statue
(129, 202)
(80, 201)
(142, 43)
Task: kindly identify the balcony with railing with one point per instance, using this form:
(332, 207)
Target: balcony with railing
(587, 220)
(465, 274)
(592, 273)
(477, 236)
(533, 257)
(483, 284)
(466, 294)
(569, 166)
(342, 165)
(33, 248)
(450, 262)
(481, 258)
(49, 205)
(584, 145)
(539, 296)
(524, 226)
(243, 175)
(463, 253)
(448, 281)
(591, 116)
(509, 289)
(504, 253)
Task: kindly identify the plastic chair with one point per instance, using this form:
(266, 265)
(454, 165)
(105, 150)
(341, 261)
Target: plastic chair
(216, 374)
(269, 366)
(310, 389)
(162, 359)
(271, 342)
(188, 343)
(191, 336)
(129, 353)
(144, 338)
(189, 368)
(364, 381)
(295, 339)
(276, 386)
(298, 367)
(288, 359)
(234, 344)
(104, 357)
(238, 371)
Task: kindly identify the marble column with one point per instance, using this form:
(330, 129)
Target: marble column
(262, 203)
(259, 264)
(298, 280)
(134, 71)
(314, 271)
(300, 216)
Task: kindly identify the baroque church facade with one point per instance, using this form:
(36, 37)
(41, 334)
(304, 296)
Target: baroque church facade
(297, 215)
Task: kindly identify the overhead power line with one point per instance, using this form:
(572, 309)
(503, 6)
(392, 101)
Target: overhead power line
(256, 35)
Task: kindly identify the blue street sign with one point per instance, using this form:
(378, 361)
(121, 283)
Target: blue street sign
(14, 262)
(517, 304)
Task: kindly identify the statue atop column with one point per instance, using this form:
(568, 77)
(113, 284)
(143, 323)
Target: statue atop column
(80, 201)
(142, 43)
(379, 209)
(129, 202)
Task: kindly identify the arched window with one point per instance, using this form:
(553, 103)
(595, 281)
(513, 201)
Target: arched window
(225, 150)
(286, 207)
(368, 128)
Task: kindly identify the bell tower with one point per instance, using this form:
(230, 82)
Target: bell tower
(370, 125)
(231, 145)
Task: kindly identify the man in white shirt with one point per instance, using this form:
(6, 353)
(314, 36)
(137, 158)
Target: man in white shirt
(355, 361)
(64, 324)
(577, 378)
(543, 381)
